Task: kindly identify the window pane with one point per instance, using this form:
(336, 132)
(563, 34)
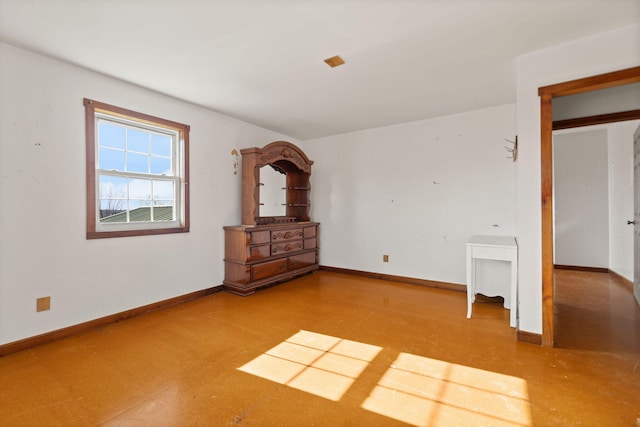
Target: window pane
(137, 140)
(139, 211)
(137, 162)
(113, 210)
(161, 145)
(112, 187)
(163, 213)
(113, 198)
(160, 166)
(111, 159)
(163, 190)
(140, 189)
(110, 135)
(108, 214)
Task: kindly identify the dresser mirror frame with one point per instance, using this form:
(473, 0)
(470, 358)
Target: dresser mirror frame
(286, 158)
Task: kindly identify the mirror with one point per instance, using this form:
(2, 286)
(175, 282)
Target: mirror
(273, 195)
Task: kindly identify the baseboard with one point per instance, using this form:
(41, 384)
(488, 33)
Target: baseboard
(26, 343)
(622, 280)
(401, 279)
(530, 337)
(523, 336)
(579, 268)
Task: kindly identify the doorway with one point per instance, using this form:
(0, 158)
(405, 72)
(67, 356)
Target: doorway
(593, 244)
(547, 93)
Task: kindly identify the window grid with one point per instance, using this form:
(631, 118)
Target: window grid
(131, 201)
(152, 201)
(103, 119)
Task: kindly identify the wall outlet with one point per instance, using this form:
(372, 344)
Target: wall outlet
(385, 258)
(43, 304)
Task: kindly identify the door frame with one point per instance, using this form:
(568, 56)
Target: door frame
(547, 93)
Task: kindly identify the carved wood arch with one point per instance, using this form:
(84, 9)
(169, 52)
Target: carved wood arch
(288, 159)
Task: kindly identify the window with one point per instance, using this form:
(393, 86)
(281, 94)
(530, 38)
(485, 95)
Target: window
(137, 173)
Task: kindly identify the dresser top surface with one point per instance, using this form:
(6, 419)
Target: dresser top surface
(270, 226)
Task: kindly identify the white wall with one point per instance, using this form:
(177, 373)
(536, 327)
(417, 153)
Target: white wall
(603, 101)
(43, 250)
(606, 52)
(620, 153)
(415, 191)
(581, 198)
(272, 195)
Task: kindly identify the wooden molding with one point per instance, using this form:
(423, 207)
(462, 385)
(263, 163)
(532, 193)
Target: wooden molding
(546, 154)
(596, 120)
(91, 106)
(26, 343)
(529, 337)
(619, 278)
(587, 84)
(622, 280)
(547, 93)
(523, 336)
(580, 268)
(401, 279)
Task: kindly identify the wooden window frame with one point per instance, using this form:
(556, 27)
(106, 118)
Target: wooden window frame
(91, 106)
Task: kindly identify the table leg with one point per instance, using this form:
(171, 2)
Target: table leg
(470, 282)
(514, 292)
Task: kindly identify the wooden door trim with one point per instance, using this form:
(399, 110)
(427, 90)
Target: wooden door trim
(546, 154)
(596, 120)
(547, 93)
(588, 84)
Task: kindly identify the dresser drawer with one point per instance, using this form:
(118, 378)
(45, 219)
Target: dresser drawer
(258, 237)
(310, 243)
(283, 248)
(310, 232)
(259, 252)
(268, 269)
(302, 260)
(291, 234)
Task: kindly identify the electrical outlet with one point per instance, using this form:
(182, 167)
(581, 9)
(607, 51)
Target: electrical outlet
(43, 304)
(385, 258)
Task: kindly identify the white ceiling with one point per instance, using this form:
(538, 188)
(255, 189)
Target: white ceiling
(262, 60)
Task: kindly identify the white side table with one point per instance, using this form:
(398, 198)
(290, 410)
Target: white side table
(502, 248)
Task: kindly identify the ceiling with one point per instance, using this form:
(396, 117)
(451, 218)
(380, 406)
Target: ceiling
(262, 60)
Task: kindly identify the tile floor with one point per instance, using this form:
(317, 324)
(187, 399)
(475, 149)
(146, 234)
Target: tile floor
(337, 350)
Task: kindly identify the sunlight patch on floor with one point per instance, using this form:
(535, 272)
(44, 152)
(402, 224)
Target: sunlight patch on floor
(316, 363)
(427, 392)
(416, 390)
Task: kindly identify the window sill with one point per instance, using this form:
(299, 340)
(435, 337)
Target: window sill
(130, 233)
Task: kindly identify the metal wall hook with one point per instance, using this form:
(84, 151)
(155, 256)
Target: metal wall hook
(514, 150)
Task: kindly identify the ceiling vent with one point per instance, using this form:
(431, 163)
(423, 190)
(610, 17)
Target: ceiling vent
(334, 61)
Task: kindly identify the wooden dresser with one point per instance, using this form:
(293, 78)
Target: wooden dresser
(271, 245)
(258, 256)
